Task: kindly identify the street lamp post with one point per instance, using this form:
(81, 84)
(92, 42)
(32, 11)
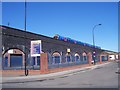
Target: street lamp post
(26, 71)
(94, 53)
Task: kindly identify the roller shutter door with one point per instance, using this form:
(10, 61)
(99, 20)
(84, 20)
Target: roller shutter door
(16, 60)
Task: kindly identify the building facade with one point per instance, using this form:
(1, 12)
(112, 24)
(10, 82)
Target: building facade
(16, 43)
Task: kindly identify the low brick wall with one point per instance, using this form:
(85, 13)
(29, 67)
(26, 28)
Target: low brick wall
(67, 68)
(70, 68)
(7, 73)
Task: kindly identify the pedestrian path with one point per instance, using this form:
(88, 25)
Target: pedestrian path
(41, 76)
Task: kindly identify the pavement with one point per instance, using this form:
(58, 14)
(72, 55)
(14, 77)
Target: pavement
(44, 76)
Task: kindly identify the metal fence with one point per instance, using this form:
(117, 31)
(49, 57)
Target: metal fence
(105, 58)
(32, 64)
(64, 61)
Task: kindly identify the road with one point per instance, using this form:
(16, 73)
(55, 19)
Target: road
(100, 77)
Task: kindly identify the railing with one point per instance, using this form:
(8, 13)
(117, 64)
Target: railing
(67, 63)
(62, 61)
(30, 66)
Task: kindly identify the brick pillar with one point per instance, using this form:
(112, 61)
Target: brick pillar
(100, 59)
(61, 57)
(108, 58)
(8, 60)
(115, 57)
(43, 63)
(23, 59)
(89, 58)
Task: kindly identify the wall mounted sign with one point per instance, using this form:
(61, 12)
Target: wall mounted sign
(35, 48)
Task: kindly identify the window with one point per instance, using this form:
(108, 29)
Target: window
(38, 60)
(84, 57)
(102, 58)
(68, 58)
(77, 57)
(33, 60)
(55, 58)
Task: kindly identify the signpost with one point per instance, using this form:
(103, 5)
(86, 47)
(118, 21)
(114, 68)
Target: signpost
(35, 48)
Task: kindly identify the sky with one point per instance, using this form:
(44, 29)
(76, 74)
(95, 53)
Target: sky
(70, 19)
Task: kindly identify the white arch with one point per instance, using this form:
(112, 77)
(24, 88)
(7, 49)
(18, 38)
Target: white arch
(56, 54)
(76, 54)
(84, 54)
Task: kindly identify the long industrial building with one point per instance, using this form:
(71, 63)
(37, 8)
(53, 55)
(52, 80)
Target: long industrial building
(61, 51)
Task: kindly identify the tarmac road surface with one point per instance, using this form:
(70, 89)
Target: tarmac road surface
(103, 76)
